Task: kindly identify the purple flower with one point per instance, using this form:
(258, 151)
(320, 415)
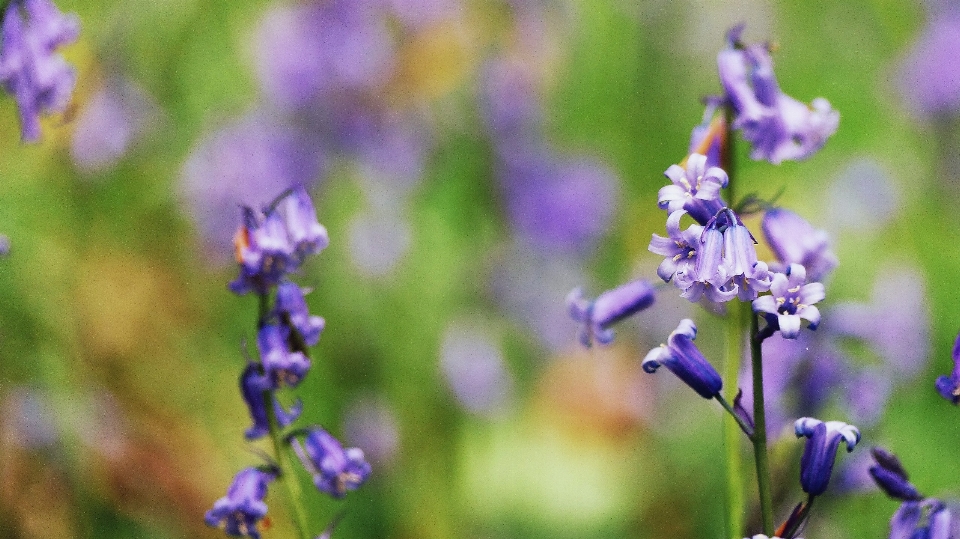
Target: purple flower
(378, 240)
(307, 236)
(891, 477)
(740, 257)
(242, 508)
(40, 80)
(472, 362)
(708, 138)
(309, 51)
(726, 262)
(263, 250)
(335, 470)
(823, 440)
(253, 386)
(685, 360)
(927, 519)
(609, 308)
(777, 126)
(292, 307)
(244, 163)
(680, 250)
(110, 123)
(794, 241)
(949, 386)
(695, 188)
(930, 74)
(791, 299)
(281, 365)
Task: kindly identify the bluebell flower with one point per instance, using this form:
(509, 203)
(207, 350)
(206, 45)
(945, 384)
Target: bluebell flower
(726, 263)
(242, 508)
(685, 360)
(680, 250)
(281, 365)
(823, 440)
(694, 188)
(749, 275)
(40, 80)
(253, 387)
(777, 126)
(890, 476)
(926, 519)
(609, 308)
(949, 386)
(791, 299)
(263, 250)
(292, 306)
(335, 470)
(306, 235)
(794, 241)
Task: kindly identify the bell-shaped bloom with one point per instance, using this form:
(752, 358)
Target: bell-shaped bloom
(684, 359)
(292, 307)
(609, 308)
(335, 470)
(823, 440)
(794, 241)
(680, 250)
(777, 126)
(791, 299)
(263, 250)
(891, 477)
(242, 508)
(253, 387)
(306, 235)
(695, 188)
(740, 256)
(949, 386)
(40, 80)
(926, 519)
(281, 365)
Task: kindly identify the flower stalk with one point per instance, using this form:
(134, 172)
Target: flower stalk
(760, 429)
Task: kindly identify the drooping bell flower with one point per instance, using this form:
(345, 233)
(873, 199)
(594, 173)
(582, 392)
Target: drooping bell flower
(292, 307)
(891, 477)
(281, 365)
(695, 188)
(253, 387)
(609, 308)
(263, 251)
(239, 512)
(685, 360)
(794, 241)
(823, 440)
(335, 470)
(306, 235)
(791, 299)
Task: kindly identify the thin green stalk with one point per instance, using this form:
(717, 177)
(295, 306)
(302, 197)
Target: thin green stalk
(731, 428)
(744, 426)
(289, 478)
(760, 430)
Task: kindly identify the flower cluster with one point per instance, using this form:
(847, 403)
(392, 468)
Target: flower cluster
(39, 79)
(270, 245)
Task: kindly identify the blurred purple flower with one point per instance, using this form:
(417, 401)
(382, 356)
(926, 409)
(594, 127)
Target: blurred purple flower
(863, 198)
(509, 102)
(40, 80)
(239, 512)
(335, 470)
(929, 76)
(110, 123)
(949, 386)
(558, 204)
(291, 305)
(416, 14)
(896, 322)
(891, 477)
(305, 51)
(253, 386)
(607, 309)
(378, 240)
(263, 251)
(794, 241)
(371, 424)
(281, 365)
(777, 126)
(247, 161)
(473, 365)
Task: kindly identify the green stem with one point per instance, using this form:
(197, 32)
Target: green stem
(760, 429)
(288, 476)
(731, 426)
(744, 426)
